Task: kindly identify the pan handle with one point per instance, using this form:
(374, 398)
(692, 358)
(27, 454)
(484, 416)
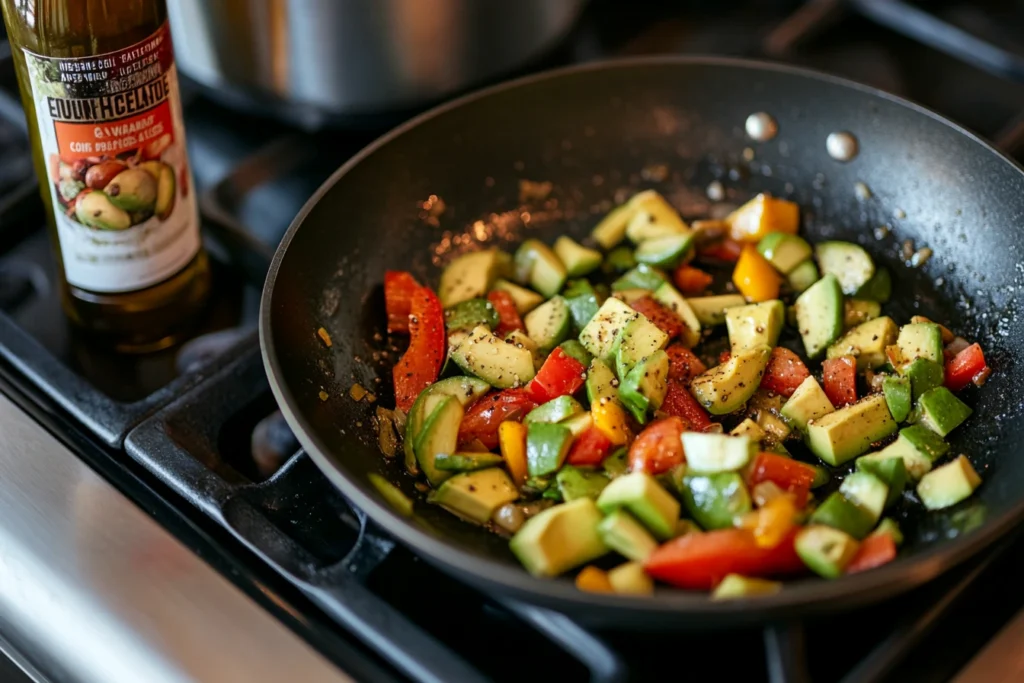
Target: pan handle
(605, 666)
(785, 653)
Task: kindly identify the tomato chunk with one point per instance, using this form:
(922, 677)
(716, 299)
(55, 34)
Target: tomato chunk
(691, 281)
(664, 319)
(428, 345)
(679, 403)
(683, 364)
(874, 551)
(700, 561)
(784, 373)
(508, 315)
(590, 448)
(964, 366)
(788, 474)
(561, 374)
(725, 250)
(658, 448)
(399, 289)
(840, 380)
(481, 421)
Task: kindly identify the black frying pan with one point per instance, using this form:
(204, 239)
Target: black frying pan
(591, 130)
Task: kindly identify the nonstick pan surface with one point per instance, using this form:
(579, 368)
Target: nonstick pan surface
(597, 133)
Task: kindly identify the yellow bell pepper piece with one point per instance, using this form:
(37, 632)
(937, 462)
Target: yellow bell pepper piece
(594, 580)
(762, 215)
(512, 440)
(611, 419)
(772, 522)
(755, 277)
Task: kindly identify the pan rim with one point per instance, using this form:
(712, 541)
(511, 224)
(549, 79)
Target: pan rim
(807, 595)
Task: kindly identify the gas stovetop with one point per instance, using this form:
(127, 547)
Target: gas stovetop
(192, 435)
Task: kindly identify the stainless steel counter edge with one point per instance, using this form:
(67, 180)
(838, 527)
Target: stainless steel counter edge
(92, 590)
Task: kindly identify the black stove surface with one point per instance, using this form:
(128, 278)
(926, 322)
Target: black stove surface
(195, 431)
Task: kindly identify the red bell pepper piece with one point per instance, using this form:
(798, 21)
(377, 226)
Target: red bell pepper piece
(692, 281)
(786, 473)
(964, 366)
(784, 372)
(725, 250)
(840, 380)
(590, 448)
(683, 364)
(724, 357)
(663, 318)
(679, 403)
(481, 421)
(699, 561)
(560, 375)
(399, 289)
(658, 448)
(508, 316)
(874, 551)
(421, 363)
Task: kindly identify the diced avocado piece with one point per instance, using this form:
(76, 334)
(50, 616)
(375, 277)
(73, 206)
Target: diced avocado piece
(555, 410)
(868, 491)
(645, 499)
(466, 462)
(466, 389)
(643, 389)
(575, 482)
(714, 500)
(946, 486)
(930, 444)
(897, 396)
(754, 325)
(631, 295)
(653, 217)
(809, 402)
(497, 362)
(878, 288)
(803, 276)
(560, 538)
(839, 512)
(626, 536)
(539, 266)
(582, 301)
(664, 252)
(518, 339)
(630, 578)
(920, 340)
(476, 495)
(673, 478)
(577, 424)
(819, 315)
(440, 434)
(471, 275)
(890, 527)
(848, 262)
(941, 411)
(749, 429)
(601, 382)
(578, 260)
(670, 298)
(546, 447)
(917, 446)
(525, 299)
(821, 477)
(471, 313)
(775, 428)
(846, 433)
(612, 228)
(710, 310)
(619, 260)
(575, 350)
(924, 375)
(736, 586)
(859, 311)
(617, 463)
(892, 471)
(602, 334)
(393, 495)
(866, 342)
(726, 387)
(713, 453)
(825, 551)
(642, 277)
(784, 251)
(639, 339)
(548, 324)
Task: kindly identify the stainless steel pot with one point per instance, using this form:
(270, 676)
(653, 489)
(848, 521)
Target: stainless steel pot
(320, 59)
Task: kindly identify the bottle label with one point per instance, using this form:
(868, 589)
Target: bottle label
(112, 132)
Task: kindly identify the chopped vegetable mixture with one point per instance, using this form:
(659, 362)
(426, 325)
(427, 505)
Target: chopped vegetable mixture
(581, 400)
